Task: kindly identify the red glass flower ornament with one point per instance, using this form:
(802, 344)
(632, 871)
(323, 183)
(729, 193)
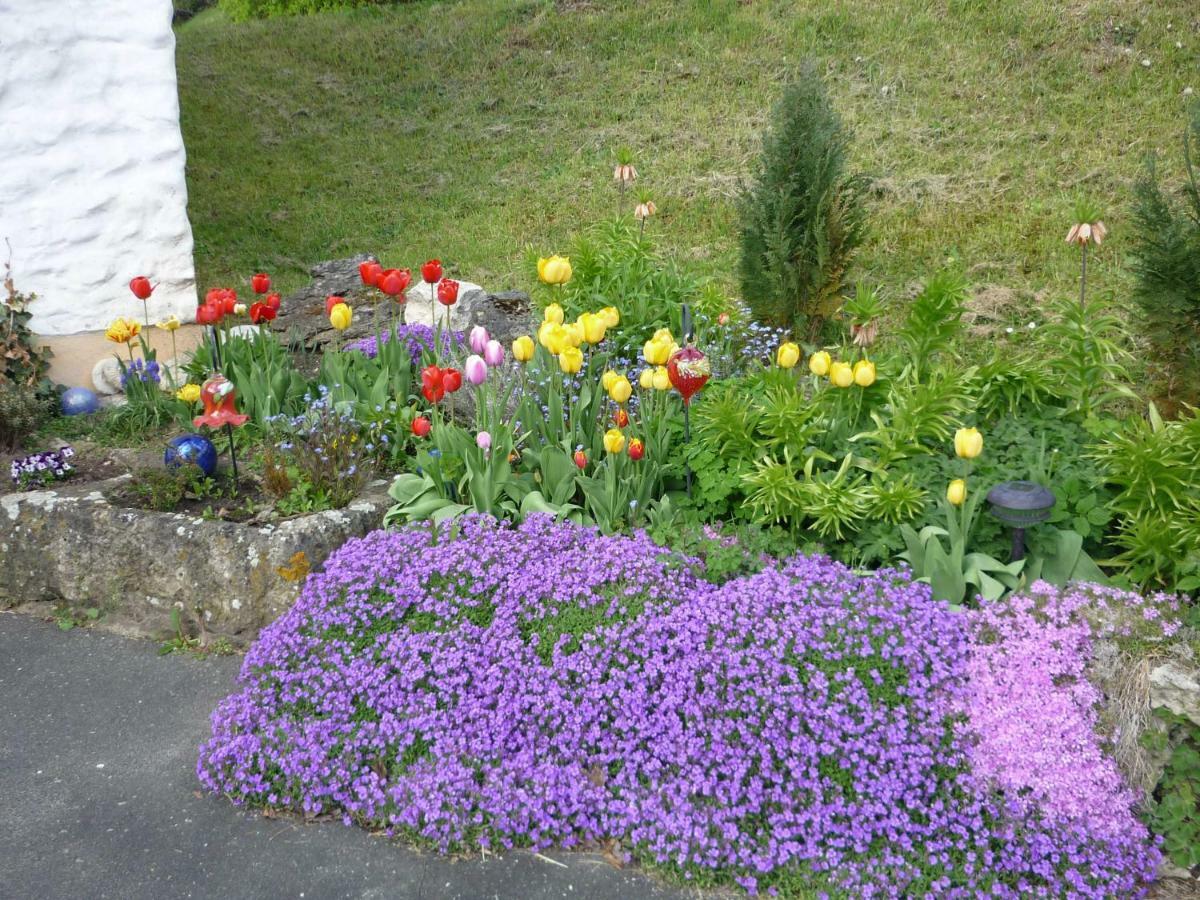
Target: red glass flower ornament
(689, 371)
(141, 287)
(218, 395)
(261, 283)
(432, 271)
(447, 292)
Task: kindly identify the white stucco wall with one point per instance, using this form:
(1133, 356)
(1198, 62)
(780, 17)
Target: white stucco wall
(92, 188)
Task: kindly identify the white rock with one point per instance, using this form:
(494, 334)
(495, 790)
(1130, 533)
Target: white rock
(417, 309)
(106, 376)
(1176, 687)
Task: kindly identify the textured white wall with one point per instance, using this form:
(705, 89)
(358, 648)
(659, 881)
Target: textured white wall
(92, 189)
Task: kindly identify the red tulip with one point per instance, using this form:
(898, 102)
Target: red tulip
(141, 287)
(261, 283)
(261, 312)
(620, 417)
(448, 292)
(432, 271)
(369, 272)
(208, 313)
(421, 426)
(272, 303)
(394, 282)
(451, 380)
(331, 301)
(636, 449)
(431, 384)
(581, 459)
(689, 371)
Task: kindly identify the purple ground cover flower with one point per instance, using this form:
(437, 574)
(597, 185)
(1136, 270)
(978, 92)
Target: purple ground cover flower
(796, 728)
(419, 338)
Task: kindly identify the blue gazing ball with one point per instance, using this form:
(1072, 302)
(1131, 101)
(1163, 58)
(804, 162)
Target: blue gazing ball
(79, 401)
(191, 449)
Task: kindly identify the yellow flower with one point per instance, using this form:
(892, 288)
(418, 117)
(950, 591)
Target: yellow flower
(819, 363)
(662, 381)
(968, 443)
(554, 313)
(611, 317)
(956, 492)
(607, 379)
(555, 270)
(574, 332)
(170, 324)
(553, 337)
(787, 355)
(657, 351)
(620, 390)
(340, 316)
(189, 393)
(614, 441)
(522, 348)
(841, 374)
(593, 327)
(123, 330)
(570, 360)
(864, 373)
(646, 379)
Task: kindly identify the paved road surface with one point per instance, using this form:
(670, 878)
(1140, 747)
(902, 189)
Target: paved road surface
(98, 740)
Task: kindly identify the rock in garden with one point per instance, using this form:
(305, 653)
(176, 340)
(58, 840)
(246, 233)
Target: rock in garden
(1176, 687)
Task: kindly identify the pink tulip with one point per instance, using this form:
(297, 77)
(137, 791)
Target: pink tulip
(483, 440)
(493, 353)
(476, 370)
(478, 338)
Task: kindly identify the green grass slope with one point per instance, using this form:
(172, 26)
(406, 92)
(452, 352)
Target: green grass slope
(471, 129)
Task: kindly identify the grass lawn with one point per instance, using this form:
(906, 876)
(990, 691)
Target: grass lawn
(473, 129)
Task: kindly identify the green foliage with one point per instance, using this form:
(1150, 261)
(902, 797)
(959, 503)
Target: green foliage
(240, 10)
(21, 412)
(23, 362)
(1153, 467)
(1166, 263)
(934, 320)
(1174, 809)
(1084, 352)
(261, 369)
(164, 489)
(802, 218)
(68, 617)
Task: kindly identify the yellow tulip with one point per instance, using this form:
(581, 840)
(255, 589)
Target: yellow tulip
(956, 492)
(611, 317)
(553, 337)
(607, 379)
(522, 348)
(787, 355)
(593, 327)
(341, 316)
(170, 324)
(664, 334)
(841, 374)
(554, 313)
(662, 381)
(656, 351)
(864, 373)
(646, 379)
(555, 270)
(614, 441)
(574, 332)
(968, 443)
(123, 330)
(620, 390)
(189, 393)
(570, 360)
(819, 363)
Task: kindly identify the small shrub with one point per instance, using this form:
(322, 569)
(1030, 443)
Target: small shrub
(802, 218)
(21, 412)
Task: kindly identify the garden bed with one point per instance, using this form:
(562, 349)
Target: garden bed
(75, 544)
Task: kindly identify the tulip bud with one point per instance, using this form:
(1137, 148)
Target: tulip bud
(493, 353)
(570, 360)
(554, 270)
(239, 309)
(574, 333)
(580, 459)
(393, 282)
(787, 355)
(451, 380)
(636, 449)
(141, 287)
(956, 492)
(657, 351)
(968, 443)
(447, 292)
(553, 337)
(260, 283)
(341, 316)
(646, 379)
(432, 271)
(522, 349)
(554, 313)
(841, 375)
(478, 338)
(864, 373)
(620, 390)
(620, 417)
(331, 301)
(819, 363)
(369, 271)
(662, 379)
(614, 440)
(593, 327)
(483, 440)
(421, 426)
(723, 319)
(476, 370)
(610, 316)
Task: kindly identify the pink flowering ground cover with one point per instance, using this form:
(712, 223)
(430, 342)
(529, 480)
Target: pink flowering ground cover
(801, 728)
